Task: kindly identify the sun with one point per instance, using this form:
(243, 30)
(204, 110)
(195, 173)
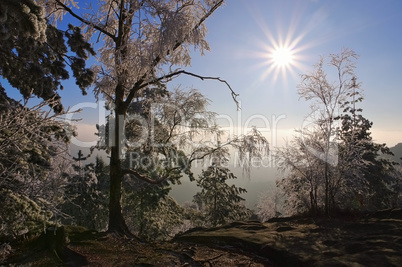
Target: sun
(282, 57)
(280, 53)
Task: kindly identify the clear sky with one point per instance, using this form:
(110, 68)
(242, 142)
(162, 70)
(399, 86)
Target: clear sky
(243, 33)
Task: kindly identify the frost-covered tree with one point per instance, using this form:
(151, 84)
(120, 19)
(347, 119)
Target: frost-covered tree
(34, 54)
(304, 173)
(270, 205)
(142, 44)
(84, 195)
(165, 133)
(334, 164)
(220, 202)
(176, 122)
(34, 59)
(366, 177)
(32, 144)
(164, 154)
(326, 97)
(151, 213)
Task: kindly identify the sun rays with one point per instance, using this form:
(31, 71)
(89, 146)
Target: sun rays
(280, 52)
(280, 59)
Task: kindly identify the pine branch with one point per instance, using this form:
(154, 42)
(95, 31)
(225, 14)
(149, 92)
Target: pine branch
(72, 13)
(146, 178)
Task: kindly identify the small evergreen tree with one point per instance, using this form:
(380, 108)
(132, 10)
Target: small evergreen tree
(151, 213)
(220, 202)
(31, 143)
(85, 197)
(102, 175)
(370, 183)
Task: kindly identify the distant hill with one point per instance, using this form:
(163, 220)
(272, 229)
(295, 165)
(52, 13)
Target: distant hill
(397, 150)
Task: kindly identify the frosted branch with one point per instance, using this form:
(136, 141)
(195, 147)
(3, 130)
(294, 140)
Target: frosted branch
(86, 22)
(146, 178)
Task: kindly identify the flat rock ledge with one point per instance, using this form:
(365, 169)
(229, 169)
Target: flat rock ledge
(371, 240)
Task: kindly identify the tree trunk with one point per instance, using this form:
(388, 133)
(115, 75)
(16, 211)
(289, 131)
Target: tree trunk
(116, 220)
(312, 206)
(313, 198)
(326, 188)
(55, 240)
(117, 223)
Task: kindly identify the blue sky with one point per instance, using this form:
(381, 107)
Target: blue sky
(242, 31)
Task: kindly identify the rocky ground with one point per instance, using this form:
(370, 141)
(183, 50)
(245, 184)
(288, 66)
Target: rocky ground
(90, 248)
(368, 240)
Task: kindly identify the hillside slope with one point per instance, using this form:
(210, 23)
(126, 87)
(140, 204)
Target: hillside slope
(397, 150)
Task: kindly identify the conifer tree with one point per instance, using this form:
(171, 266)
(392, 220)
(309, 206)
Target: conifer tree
(34, 54)
(32, 143)
(220, 201)
(85, 195)
(367, 176)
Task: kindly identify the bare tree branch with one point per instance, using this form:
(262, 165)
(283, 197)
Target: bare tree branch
(177, 73)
